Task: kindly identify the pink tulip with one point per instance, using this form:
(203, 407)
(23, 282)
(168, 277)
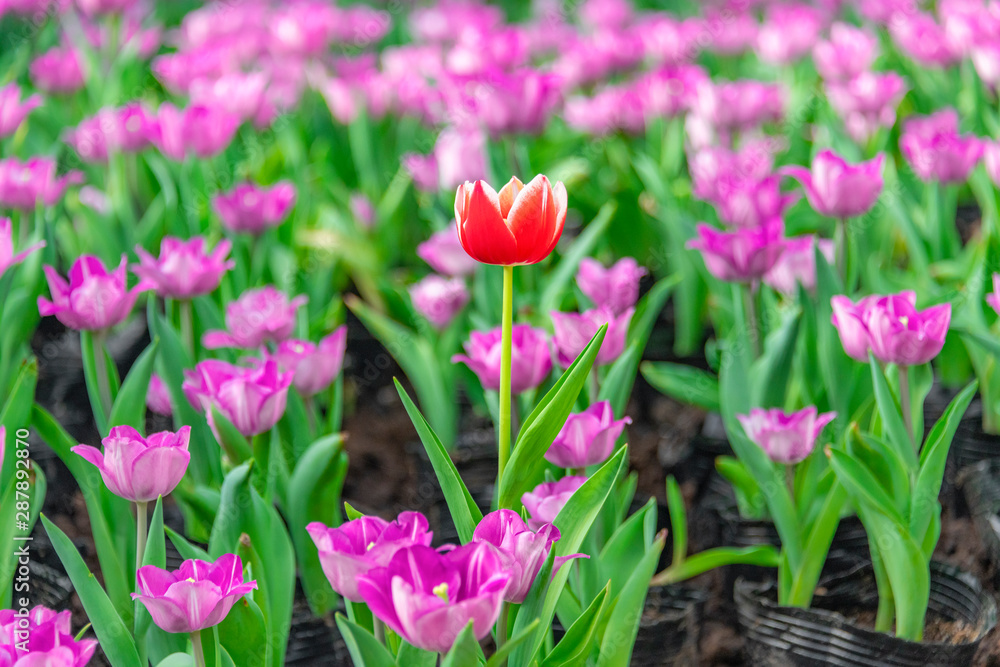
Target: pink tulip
(93, 299)
(520, 102)
(184, 269)
(546, 500)
(202, 130)
(885, 11)
(838, 189)
(423, 171)
(98, 7)
(353, 548)
(849, 52)
(362, 209)
(137, 468)
(797, 264)
(744, 255)
(158, 397)
(587, 438)
(788, 33)
(993, 299)
(197, 596)
(58, 70)
(786, 438)
(254, 209)
(259, 316)
(616, 287)
(715, 170)
(238, 93)
(460, 154)
(749, 203)
(23, 185)
(444, 252)
(439, 299)
(986, 59)
(315, 366)
(530, 361)
(867, 102)
(7, 256)
(574, 330)
(919, 36)
(428, 598)
(739, 105)
(729, 31)
(13, 110)
(891, 327)
(42, 638)
(991, 160)
(253, 399)
(935, 149)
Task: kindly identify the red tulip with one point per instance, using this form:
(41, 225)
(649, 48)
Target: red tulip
(520, 225)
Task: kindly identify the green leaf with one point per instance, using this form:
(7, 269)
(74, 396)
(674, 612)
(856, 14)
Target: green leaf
(805, 579)
(465, 652)
(159, 644)
(764, 555)
(649, 308)
(130, 406)
(558, 282)
(112, 633)
(617, 384)
(352, 513)
(498, 658)
(177, 660)
(187, 550)
(678, 519)
(366, 651)
(88, 348)
(892, 417)
(861, 484)
(576, 645)
(411, 656)
(524, 469)
(464, 511)
(770, 373)
(233, 442)
(241, 632)
(686, 384)
(10, 533)
(16, 413)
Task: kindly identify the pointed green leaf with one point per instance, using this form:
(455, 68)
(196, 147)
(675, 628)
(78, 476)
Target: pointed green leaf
(130, 406)
(686, 384)
(365, 649)
(576, 645)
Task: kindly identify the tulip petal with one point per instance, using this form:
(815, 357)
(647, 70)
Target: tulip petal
(532, 220)
(482, 230)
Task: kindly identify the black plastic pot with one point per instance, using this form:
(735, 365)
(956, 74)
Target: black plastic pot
(670, 627)
(980, 484)
(972, 444)
(826, 635)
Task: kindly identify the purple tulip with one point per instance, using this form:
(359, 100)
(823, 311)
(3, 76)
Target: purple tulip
(158, 397)
(199, 595)
(428, 598)
(241, 94)
(837, 189)
(7, 256)
(935, 149)
(993, 299)
(919, 36)
(587, 438)
(57, 71)
(891, 327)
(259, 316)
(137, 468)
(744, 255)
(785, 438)
(439, 299)
(98, 7)
(750, 203)
(315, 366)
(574, 330)
(23, 185)
(254, 209)
(184, 269)
(13, 110)
(42, 638)
(991, 160)
(353, 548)
(740, 105)
(715, 169)
(730, 31)
(459, 155)
(93, 299)
(797, 264)
(444, 252)
(788, 33)
(546, 500)
(867, 102)
(362, 209)
(253, 399)
(200, 129)
(616, 287)
(130, 129)
(849, 52)
(530, 360)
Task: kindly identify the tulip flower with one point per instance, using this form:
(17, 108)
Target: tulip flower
(200, 129)
(42, 638)
(797, 264)
(935, 149)
(744, 255)
(23, 185)
(93, 299)
(837, 189)
(991, 160)
(849, 52)
(259, 316)
(739, 105)
(137, 468)
(747, 202)
(97, 7)
(58, 70)
(158, 397)
(184, 269)
(428, 597)
(867, 102)
(7, 256)
(785, 438)
(788, 32)
(353, 548)
(239, 93)
(730, 31)
(253, 399)
(362, 209)
(891, 327)
(919, 36)
(993, 298)
(531, 359)
(459, 154)
(444, 252)
(715, 170)
(315, 366)
(196, 596)
(546, 500)
(587, 438)
(127, 129)
(616, 287)
(439, 299)
(254, 209)
(13, 110)
(574, 330)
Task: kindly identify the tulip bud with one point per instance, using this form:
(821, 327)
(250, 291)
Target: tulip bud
(785, 438)
(546, 500)
(137, 468)
(531, 359)
(587, 437)
(838, 189)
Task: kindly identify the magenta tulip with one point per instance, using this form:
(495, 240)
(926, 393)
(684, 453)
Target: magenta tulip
(254, 209)
(428, 597)
(42, 638)
(7, 256)
(444, 252)
(891, 327)
(253, 399)
(184, 269)
(785, 438)
(797, 264)
(993, 298)
(439, 299)
(93, 299)
(97, 7)
(740, 105)
(747, 202)
(838, 189)
(137, 468)
(919, 36)
(849, 52)
(744, 255)
(200, 129)
(530, 362)
(23, 185)
(546, 500)
(57, 70)
(315, 366)
(13, 110)
(197, 596)
(259, 316)
(935, 149)
(158, 397)
(788, 32)
(127, 129)
(587, 438)
(574, 330)
(616, 287)
(867, 102)
(362, 209)
(353, 548)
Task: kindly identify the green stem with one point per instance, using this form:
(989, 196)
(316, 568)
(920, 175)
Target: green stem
(842, 249)
(261, 447)
(502, 628)
(199, 652)
(187, 328)
(101, 368)
(503, 437)
(752, 321)
(310, 404)
(140, 546)
(886, 614)
(904, 400)
(379, 627)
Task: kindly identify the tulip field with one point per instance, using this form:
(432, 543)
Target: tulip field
(524, 333)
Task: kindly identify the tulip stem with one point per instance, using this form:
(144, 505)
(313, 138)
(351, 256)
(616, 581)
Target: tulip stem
(199, 652)
(379, 627)
(840, 247)
(503, 445)
(502, 627)
(753, 326)
(101, 368)
(140, 533)
(187, 328)
(904, 402)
